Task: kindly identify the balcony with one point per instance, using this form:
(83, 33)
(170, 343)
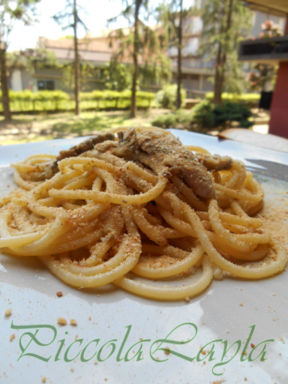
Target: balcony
(264, 50)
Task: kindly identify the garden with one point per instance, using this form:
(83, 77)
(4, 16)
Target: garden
(45, 115)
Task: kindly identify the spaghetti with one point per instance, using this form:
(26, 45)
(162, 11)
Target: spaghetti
(100, 217)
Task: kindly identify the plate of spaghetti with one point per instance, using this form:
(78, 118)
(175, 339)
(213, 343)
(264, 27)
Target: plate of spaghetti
(143, 256)
(138, 209)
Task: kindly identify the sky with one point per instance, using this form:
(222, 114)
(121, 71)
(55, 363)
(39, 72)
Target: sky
(95, 13)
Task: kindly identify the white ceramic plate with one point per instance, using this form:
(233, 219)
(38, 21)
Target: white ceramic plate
(120, 338)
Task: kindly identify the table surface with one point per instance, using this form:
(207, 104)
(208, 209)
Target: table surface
(269, 141)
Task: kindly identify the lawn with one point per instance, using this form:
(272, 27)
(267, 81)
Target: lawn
(28, 128)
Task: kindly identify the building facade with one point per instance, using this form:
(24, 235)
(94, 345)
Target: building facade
(97, 52)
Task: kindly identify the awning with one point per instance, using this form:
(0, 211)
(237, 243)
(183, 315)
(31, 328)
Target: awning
(275, 7)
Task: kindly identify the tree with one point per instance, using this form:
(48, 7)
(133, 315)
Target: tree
(179, 55)
(69, 18)
(225, 22)
(177, 22)
(143, 45)
(132, 11)
(137, 6)
(117, 76)
(10, 12)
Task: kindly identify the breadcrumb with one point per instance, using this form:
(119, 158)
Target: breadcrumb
(73, 322)
(43, 380)
(8, 312)
(167, 351)
(187, 299)
(12, 337)
(59, 294)
(218, 274)
(62, 321)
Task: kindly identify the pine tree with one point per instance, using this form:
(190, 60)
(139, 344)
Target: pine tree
(10, 12)
(146, 46)
(225, 22)
(137, 7)
(69, 18)
(175, 19)
(131, 12)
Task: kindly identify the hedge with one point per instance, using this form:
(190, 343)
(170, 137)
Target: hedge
(251, 99)
(206, 116)
(54, 101)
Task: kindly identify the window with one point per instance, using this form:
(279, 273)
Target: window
(45, 85)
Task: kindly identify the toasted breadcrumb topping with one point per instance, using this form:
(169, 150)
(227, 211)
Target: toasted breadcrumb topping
(8, 312)
(61, 321)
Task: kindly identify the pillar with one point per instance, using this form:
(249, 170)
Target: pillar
(279, 107)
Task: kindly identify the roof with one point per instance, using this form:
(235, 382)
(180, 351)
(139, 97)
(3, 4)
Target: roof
(100, 43)
(96, 49)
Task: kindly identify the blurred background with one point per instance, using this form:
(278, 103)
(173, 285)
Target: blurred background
(74, 67)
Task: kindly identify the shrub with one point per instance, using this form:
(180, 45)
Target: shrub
(251, 99)
(203, 114)
(28, 101)
(228, 112)
(177, 119)
(53, 101)
(206, 116)
(166, 97)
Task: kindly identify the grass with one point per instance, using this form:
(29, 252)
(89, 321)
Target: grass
(28, 128)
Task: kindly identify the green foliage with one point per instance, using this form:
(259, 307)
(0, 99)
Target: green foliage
(209, 116)
(113, 100)
(250, 99)
(70, 15)
(178, 119)
(158, 72)
(42, 58)
(147, 44)
(206, 116)
(203, 115)
(166, 97)
(229, 112)
(225, 23)
(28, 101)
(87, 73)
(177, 25)
(117, 76)
(263, 76)
(12, 10)
(51, 101)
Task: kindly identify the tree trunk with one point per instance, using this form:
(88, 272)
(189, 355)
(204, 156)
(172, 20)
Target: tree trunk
(135, 58)
(179, 57)
(221, 59)
(217, 82)
(4, 85)
(76, 61)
